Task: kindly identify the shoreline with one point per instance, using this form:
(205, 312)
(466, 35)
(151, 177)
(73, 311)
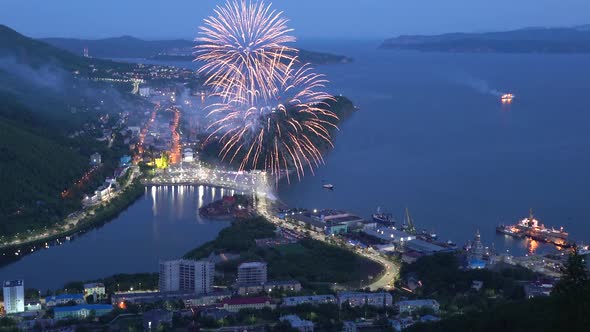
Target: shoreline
(115, 207)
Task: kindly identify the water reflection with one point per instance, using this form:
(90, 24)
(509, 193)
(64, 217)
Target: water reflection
(532, 246)
(163, 224)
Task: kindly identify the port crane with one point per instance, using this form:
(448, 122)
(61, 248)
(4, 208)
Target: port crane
(410, 229)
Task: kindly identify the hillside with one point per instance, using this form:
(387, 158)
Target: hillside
(35, 53)
(529, 40)
(167, 50)
(33, 171)
(42, 100)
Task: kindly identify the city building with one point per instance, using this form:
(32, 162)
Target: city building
(14, 296)
(237, 304)
(96, 289)
(103, 192)
(411, 256)
(316, 224)
(33, 306)
(188, 155)
(355, 299)
(298, 323)
(62, 299)
(82, 311)
(95, 159)
(209, 299)
(190, 298)
(312, 299)
(411, 305)
(271, 286)
(425, 247)
(252, 273)
(214, 313)
(338, 217)
(144, 91)
(125, 161)
(185, 275)
(389, 235)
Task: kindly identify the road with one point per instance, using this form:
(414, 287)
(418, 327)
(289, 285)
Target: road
(386, 280)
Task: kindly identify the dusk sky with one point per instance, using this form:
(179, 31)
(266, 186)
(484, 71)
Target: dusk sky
(311, 18)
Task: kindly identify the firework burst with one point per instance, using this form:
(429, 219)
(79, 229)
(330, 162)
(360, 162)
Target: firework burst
(243, 46)
(290, 130)
(270, 112)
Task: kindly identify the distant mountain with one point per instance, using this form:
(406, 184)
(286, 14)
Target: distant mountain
(175, 50)
(121, 47)
(528, 40)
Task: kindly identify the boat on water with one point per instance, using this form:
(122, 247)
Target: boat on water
(531, 228)
(383, 218)
(328, 186)
(507, 98)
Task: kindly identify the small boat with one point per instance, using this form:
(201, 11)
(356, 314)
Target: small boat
(507, 98)
(328, 186)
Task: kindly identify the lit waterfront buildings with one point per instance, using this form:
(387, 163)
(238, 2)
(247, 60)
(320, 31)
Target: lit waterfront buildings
(185, 275)
(14, 296)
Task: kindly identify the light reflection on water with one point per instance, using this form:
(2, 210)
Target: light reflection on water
(162, 224)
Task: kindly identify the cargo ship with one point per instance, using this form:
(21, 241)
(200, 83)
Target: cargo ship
(532, 229)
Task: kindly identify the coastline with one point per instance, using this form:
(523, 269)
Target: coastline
(107, 213)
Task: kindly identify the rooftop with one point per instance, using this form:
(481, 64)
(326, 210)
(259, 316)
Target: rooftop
(295, 321)
(246, 300)
(251, 265)
(84, 306)
(13, 283)
(424, 302)
(65, 297)
(94, 285)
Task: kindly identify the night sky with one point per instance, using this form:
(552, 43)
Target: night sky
(353, 19)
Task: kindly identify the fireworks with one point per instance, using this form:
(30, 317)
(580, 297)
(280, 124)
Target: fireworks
(243, 49)
(271, 112)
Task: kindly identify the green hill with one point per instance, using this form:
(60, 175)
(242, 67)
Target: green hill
(35, 53)
(33, 171)
(38, 93)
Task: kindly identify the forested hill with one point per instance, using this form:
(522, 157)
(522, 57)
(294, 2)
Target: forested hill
(42, 99)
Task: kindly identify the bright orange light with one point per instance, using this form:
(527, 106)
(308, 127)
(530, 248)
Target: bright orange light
(533, 245)
(122, 305)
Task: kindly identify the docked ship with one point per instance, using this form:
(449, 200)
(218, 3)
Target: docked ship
(507, 98)
(383, 218)
(531, 228)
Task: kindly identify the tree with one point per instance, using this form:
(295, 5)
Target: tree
(575, 274)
